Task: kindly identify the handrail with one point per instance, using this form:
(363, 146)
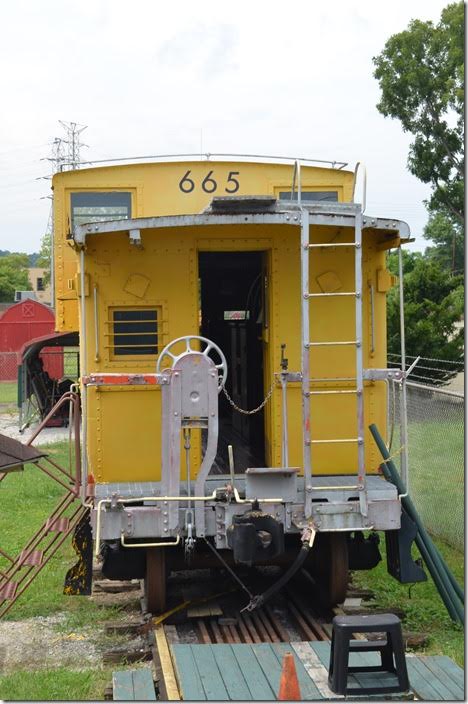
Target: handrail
(359, 164)
(160, 157)
(74, 400)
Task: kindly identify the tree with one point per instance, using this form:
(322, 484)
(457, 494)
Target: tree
(434, 302)
(13, 276)
(447, 234)
(44, 258)
(421, 76)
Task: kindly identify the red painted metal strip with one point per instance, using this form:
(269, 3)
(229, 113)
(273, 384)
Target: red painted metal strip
(121, 380)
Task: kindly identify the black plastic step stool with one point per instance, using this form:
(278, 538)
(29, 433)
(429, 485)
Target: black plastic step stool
(392, 653)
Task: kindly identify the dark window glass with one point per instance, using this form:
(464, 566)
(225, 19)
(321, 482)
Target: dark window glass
(330, 196)
(40, 284)
(135, 332)
(97, 206)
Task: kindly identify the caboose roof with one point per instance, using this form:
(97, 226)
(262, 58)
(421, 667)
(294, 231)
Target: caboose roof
(249, 211)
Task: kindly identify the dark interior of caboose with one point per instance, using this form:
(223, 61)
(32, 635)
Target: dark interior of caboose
(232, 315)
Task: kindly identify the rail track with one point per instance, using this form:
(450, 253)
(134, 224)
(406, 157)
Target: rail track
(203, 610)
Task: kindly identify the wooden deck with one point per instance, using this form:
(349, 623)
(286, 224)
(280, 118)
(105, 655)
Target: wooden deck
(225, 672)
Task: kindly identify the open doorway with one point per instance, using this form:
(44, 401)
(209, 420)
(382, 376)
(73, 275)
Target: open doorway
(232, 310)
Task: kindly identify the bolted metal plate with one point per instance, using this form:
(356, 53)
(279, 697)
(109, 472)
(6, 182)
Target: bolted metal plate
(271, 483)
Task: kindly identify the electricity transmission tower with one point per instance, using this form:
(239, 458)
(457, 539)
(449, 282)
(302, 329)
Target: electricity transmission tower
(73, 143)
(64, 156)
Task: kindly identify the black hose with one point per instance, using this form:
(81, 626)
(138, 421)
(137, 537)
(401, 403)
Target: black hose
(260, 599)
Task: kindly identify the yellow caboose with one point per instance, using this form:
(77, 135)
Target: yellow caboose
(232, 324)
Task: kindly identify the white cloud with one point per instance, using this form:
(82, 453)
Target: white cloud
(149, 77)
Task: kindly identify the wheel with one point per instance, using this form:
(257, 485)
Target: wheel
(155, 580)
(329, 567)
(210, 347)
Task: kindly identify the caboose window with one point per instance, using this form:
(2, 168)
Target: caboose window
(134, 331)
(95, 206)
(328, 196)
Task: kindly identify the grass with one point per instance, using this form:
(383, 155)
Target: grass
(425, 611)
(8, 392)
(28, 497)
(436, 475)
(59, 683)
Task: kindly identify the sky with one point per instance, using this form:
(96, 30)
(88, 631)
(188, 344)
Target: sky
(151, 77)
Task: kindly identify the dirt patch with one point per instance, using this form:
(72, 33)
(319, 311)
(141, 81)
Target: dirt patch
(39, 643)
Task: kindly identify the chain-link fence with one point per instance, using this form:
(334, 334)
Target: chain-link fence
(436, 456)
(8, 366)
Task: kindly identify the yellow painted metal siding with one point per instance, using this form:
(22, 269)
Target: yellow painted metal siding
(155, 191)
(124, 423)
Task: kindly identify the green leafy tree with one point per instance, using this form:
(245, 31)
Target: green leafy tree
(44, 258)
(13, 276)
(434, 303)
(421, 76)
(447, 234)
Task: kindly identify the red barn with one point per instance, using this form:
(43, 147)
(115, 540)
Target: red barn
(19, 324)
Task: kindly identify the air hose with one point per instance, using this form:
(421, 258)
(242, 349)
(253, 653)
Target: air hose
(308, 538)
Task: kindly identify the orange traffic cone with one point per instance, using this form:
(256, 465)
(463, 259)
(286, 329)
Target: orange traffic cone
(289, 684)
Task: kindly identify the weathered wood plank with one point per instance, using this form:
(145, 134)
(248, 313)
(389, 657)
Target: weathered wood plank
(421, 680)
(123, 627)
(190, 684)
(143, 685)
(203, 610)
(309, 690)
(322, 651)
(316, 670)
(170, 683)
(447, 673)
(269, 663)
(126, 656)
(233, 676)
(258, 684)
(122, 686)
(209, 674)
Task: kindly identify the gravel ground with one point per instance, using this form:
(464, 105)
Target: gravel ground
(9, 427)
(38, 643)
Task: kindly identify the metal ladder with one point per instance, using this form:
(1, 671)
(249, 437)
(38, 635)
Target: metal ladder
(354, 215)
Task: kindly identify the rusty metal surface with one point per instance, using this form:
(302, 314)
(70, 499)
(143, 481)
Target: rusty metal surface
(13, 454)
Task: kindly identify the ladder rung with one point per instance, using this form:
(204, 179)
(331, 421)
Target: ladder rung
(331, 344)
(57, 525)
(34, 559)
(331, 440)
(332, 244)
(332, 391)
(8, 590)
(325, 295)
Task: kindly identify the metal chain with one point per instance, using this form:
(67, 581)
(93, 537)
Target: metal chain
(254, 410)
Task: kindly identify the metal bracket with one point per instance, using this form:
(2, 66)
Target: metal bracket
(135, 238)
(288, 376)
(383, 374)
